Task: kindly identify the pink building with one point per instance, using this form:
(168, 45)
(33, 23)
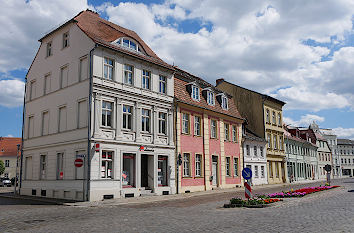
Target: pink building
(209, 131)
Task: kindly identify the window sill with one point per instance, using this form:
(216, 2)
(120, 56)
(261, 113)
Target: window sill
(107, 127)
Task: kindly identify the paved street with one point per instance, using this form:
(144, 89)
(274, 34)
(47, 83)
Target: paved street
(327, 211)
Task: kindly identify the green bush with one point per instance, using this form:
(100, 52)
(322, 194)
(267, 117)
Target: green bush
(237, 201)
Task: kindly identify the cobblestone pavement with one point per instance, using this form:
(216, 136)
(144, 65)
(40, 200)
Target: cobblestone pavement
(326, 211)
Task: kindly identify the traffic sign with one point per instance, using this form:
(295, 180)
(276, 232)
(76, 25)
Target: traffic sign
(327, 168)
(248, 189)
(247, 173)
(78, 162)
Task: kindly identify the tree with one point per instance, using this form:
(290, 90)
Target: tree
(2, 167)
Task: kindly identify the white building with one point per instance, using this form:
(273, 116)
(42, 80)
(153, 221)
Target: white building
(346, 152)
(255, 157)
(96, 92)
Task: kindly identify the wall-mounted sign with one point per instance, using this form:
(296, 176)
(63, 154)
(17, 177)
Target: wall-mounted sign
(146, 149)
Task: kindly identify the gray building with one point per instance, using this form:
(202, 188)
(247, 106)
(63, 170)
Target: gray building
(98, 115)
(346, 154)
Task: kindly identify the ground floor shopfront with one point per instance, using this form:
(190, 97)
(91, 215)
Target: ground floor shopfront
(277, 169)
(348, 171)
(301, 170)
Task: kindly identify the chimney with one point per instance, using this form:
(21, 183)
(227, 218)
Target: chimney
(219, 81)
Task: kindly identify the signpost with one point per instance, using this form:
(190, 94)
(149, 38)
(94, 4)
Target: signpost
(328, 169)
(247, 175)
(78, 162)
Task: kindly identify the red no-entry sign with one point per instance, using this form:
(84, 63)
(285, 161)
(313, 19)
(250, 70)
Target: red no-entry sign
(78, 162)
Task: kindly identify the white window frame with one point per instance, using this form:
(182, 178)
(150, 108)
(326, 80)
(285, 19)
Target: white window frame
(236, 167)
(255, 150)
(162, 123)
(104, 113)
(127, 117)
(234, 133)
(213, 129)
(275, 142)
(105, 173)
(42, 167)
(145, 120)
(198, 165)
(227, 131)
(66, 42)
(186, 165)
(128, 70)
(49, 50)
(211, 98)
(197, 124)
(162, 84)
(146, 79)
(60, 165)
(185, 123)
(262, 172)
(195, 93)
(227, 166)
(248, 150)
(224, 102)
(109, 67)
(256, 171)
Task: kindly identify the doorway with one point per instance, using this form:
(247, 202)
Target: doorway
(147, 171)
(214, 171)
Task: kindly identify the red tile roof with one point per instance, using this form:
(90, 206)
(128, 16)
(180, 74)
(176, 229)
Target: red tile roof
(8, 146)
(182, 78)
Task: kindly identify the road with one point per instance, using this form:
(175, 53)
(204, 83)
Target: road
(327, 211)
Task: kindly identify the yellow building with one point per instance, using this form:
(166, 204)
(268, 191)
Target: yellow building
(264, 118)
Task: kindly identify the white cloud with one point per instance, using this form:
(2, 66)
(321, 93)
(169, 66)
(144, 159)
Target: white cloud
(305, 120)
(10, 136)
(347, 133)
(256, 45)
(24, 22)
(11, 92)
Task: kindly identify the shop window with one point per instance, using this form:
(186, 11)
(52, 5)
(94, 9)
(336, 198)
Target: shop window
(106, 164)
(128, 176)
(162, 171)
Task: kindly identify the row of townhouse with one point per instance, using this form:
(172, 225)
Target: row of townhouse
(9, 151)
(346, 156)
(98, 96)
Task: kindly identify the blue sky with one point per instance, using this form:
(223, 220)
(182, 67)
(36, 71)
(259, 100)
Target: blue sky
(301, 55)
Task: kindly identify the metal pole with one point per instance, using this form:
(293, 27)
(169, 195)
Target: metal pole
(18, 149)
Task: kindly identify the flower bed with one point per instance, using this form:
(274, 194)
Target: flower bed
(300, 192)
(251, 203)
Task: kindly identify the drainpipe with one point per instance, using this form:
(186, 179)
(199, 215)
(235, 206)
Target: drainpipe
(22, 136)
(176, 146)
(88, 156)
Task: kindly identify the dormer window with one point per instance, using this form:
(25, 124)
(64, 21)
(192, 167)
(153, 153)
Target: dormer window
(195, 92)
(210, 98)
(224, 103)
(128, 43)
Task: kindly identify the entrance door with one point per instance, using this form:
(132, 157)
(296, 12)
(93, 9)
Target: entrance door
(214, 171)
(144, 171)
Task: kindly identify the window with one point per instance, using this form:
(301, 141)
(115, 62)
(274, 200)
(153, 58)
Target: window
(261, 150)
(197, 122)
(198, 165)
(46, 88)
(108, 68)
(64, 72)
(60, 166)
(228, 171)
(186, 164)
(275, 142)
(227, 133)
(43, 167)
(185, 123)
(273, 117)
(128, 74)
(276, 169)
(145, 121)
(281, 144)
(146, 79)
(128, 44)
(270, 169)
(6, 175)
(107, 114)
(210, 98)
(255, 151)
(279, 119)
(66, 39)
(224, 103)
(195, 92)
(82, 114)
(62, 119)
(106, 164)
(128, 175)
(262, 172)
(213, 129)
(162, 123)
(247, 150)
(7, 163)
(28, 168)
(45, 123)
(256, 171)
(127, 117)
(83, 69)
(235, 166)
(267, 116)
(234, 133)
(32, 90)
(49, 49)
(269, 138)
(162, 84)
(30, 126)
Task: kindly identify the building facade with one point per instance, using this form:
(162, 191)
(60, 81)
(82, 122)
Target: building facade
(209, 134)
(346, 155)
(301, 153)
(255, 157)
(96, 94)
(9, 152)
(264, 117)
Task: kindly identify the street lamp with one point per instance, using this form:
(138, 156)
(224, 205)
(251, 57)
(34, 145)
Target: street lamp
(18, 149)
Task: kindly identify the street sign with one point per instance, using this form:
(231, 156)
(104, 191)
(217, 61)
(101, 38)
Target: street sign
(78, 162)
(247, 173)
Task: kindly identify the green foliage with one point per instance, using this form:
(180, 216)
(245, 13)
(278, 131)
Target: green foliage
(236, 201)
(2, 167)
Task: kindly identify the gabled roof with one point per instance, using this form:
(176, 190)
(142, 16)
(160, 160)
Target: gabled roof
(8, 146)
(182, 78)
(103, 33)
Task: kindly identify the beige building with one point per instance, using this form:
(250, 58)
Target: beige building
(264, 118)
(9, 150)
